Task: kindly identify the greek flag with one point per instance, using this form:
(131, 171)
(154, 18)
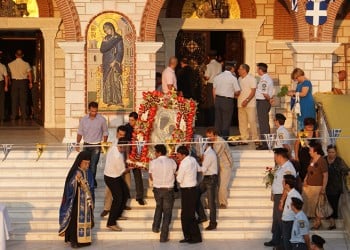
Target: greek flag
(295, 5)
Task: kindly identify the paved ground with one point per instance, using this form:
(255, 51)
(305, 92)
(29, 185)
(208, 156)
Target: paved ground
(332, 244)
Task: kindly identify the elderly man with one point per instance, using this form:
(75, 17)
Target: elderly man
(162, 173)
(247, 104)
(225, 164)
(169, 81)
(225, 89)
(213, 68)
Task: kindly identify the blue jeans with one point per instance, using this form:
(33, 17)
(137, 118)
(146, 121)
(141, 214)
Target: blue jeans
(95, 157)
(164, 207)
(209, 185)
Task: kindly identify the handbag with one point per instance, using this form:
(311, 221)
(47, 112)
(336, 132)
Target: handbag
(323, 208)
(297, 109)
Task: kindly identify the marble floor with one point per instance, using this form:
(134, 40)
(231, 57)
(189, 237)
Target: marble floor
(256, 244)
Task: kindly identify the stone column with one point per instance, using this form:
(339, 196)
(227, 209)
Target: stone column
(170, 27)
(75, 87)
(316, 61)
(49, 59)
(145, 67)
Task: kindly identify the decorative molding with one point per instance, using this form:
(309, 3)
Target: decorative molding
(148, 47)
(278, 44)
(72, 47)
(313, 48)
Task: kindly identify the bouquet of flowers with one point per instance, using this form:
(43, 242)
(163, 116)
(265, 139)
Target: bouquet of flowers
(269, 176)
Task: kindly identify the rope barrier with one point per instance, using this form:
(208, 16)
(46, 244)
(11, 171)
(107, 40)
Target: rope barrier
(206, 139)
(70, 147)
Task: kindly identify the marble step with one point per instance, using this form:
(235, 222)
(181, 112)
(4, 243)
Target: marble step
(28, 209)
(146, 224)
(140, 213)
(46, 182)
(175, 234)
(35, 192)
(42, 202)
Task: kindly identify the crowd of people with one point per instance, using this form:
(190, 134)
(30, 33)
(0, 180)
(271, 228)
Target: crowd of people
(300, 177)
(195, 174)
(299, 184)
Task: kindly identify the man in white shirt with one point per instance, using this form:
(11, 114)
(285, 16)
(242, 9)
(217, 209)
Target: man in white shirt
(187, 178)
(247, 104)
(263, 95)
(289, 182)
(113, 176)
(284, 166)
(4, 81)
(121, 131)
(282, 134)
(168, 76)
(209, 184)
(225, 89)
(162, 174)
(213, 68)
(22, 80)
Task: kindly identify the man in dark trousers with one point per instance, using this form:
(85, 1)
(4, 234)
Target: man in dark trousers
(263, 95)
(133, 116)
(225, 89)
(162, 174)
(187, 178)
(22, 80)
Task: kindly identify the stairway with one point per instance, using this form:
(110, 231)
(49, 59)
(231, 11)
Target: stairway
(32, 191)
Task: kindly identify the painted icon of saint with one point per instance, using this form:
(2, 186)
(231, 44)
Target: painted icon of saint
(112, 48)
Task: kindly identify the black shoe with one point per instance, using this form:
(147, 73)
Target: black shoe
(194, 241)
(74, 245)
(261, 147)
(104, 213)
(184, 241)
(201, 220)
(269, 244)
(141, 202)
(155, 230)
(210, 227)
(163, 240)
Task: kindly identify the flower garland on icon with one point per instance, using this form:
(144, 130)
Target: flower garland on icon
(269, 176)
(152, 101)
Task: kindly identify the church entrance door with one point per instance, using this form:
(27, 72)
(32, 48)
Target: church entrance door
(32, 44)
(195, 45)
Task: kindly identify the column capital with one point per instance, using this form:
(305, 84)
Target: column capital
(313, 48)
(148, 47)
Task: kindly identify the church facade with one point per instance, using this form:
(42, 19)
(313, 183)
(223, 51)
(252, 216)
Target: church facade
(109, 51)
